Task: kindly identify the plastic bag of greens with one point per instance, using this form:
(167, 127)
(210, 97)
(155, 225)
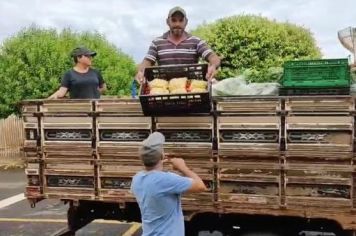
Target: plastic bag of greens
(238, 86)
(229, 86)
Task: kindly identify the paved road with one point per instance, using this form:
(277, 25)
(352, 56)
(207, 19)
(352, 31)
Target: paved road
(12, 182)
(49, 216)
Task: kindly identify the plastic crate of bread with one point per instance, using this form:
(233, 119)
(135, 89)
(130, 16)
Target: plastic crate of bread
(175, 89)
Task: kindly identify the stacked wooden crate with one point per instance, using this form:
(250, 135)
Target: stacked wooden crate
(32, 150)
(319, 134)
(67, 149)
(248, 139)
(120, 130)
(190, 138)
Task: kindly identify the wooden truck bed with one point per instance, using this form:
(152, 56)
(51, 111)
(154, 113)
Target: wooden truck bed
(287, 156)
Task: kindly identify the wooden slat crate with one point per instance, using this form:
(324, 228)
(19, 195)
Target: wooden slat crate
(119, 138)
(66, 107)
(68, 137)
(241, 137)
(34, 185)
(313, 134)
(186, 123)
(318, 185)
(325, 105)
(247, 185)
(205, 170)
(69, 179)
(30, 107)
(244, 105)
(31, 128)
(190, 152)
(118, 106)
(189, 138)
(114, 180)
(354, 188)
(200, 201)
(319, 157)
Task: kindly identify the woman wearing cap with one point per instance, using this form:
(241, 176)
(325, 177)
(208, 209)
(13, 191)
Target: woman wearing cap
(81, 81)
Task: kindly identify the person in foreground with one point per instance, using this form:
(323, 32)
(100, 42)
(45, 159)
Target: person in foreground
(158, 192)
(81, 81)
(178, 47)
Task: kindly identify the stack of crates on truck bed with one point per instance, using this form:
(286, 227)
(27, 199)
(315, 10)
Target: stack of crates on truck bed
(120, 130)
(32, 151)
(248, 140)
(67, 154)
(316, 77)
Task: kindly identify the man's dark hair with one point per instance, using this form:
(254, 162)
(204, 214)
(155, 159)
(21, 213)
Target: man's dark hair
(75, 59)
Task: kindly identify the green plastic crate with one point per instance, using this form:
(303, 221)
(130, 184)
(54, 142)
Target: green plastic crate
(324, 73)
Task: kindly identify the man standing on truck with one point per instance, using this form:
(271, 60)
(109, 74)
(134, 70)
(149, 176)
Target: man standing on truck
(81, 81)
(178, 47)
(158, 192)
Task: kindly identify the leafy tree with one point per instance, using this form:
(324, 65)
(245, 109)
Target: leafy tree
(33, 62)
(257, 44)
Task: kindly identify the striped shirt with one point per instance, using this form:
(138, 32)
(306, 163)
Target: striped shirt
(165, 52)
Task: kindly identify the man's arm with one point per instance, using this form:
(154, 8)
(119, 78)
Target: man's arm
(140, 77)
(197, 184)
(214, 63)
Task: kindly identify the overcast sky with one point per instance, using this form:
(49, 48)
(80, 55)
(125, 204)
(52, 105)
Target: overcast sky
(132, 24)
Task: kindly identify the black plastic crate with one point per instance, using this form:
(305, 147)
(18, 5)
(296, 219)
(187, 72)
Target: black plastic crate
(175, 104)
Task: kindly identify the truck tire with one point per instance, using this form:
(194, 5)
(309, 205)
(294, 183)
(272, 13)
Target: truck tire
(77, 217)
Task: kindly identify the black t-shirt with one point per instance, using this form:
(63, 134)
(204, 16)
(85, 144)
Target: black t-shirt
(83, 85)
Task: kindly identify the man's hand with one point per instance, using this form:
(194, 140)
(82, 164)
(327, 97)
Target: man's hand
(178, 164)
(140, 77)
(210, 74)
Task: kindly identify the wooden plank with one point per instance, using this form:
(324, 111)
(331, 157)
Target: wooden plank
(119, 106)
(261, 173)
(66, 106)
(249, 105)
(319, 104)
(333, 204)
(193, 122)
(319, 122)
(123, 123)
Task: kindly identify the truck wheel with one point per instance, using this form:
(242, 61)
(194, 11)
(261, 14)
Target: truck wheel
(77, 217)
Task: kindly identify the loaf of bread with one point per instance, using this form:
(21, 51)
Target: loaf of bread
(177, 83)
(198, 90)
(156, 91)
(198, 85)
(158, 83)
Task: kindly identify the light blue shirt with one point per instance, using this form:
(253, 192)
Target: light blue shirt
(158, 196)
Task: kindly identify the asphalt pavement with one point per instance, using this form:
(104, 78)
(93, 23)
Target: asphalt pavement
(17, 218)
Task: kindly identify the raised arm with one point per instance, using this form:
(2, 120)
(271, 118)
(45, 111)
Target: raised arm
(140, 77)
(214, 63)
(197, 184)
